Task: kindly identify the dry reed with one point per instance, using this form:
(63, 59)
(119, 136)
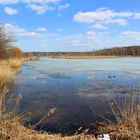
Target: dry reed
(127, 126)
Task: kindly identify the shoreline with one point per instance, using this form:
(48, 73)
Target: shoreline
(90, 57)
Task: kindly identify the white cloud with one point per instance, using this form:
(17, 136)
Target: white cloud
(131, 34)
(4, 2)
(40, 9)
(28, 34)
(98, 26)
(104, 16)
(41, 29)
(40, 6)
(137, 16)
(59, 30)
(28, 1)
(10, 11)
(119, 21)
(100, 15)
(19, 31)
(91, 35)
(63, 7)
(75, 39)
(82, 42)
(40, 1)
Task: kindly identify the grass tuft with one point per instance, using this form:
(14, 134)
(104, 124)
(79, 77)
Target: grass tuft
(11, 129)
(127, 126)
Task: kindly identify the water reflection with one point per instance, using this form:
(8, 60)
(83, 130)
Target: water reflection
(80, 91)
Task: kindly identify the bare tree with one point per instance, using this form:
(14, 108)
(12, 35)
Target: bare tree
(5, 42)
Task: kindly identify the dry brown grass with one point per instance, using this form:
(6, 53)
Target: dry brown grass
(127, 126)
(11, 129)
(15, 62)
(8, 69)
(6, 74)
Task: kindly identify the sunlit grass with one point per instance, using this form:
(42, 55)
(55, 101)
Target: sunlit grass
(6, 74)
(8, 69)
(127, 126)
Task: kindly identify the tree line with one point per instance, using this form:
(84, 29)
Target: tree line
(120, 51)
(116, 51)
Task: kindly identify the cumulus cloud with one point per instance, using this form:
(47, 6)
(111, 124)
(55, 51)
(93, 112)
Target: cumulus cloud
(131, 34)
(104, 16)
(21, 32)
(63, 7)
(10, 11)
(100, 15)
(40, 9)
(28, 1)
(40, 6)
(4, 2)
(98, 26)
(137, 16)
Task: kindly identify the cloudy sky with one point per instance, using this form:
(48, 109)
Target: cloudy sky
(71, 25)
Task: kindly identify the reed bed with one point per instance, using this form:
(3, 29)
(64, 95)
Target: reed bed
(8, 69)
(127, 126)
(6, 75)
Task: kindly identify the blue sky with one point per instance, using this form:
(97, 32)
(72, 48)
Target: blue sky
(71, 25)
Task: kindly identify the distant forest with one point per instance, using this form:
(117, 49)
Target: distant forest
(116, 51)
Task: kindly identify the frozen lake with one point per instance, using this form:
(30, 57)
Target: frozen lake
(80, 90)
